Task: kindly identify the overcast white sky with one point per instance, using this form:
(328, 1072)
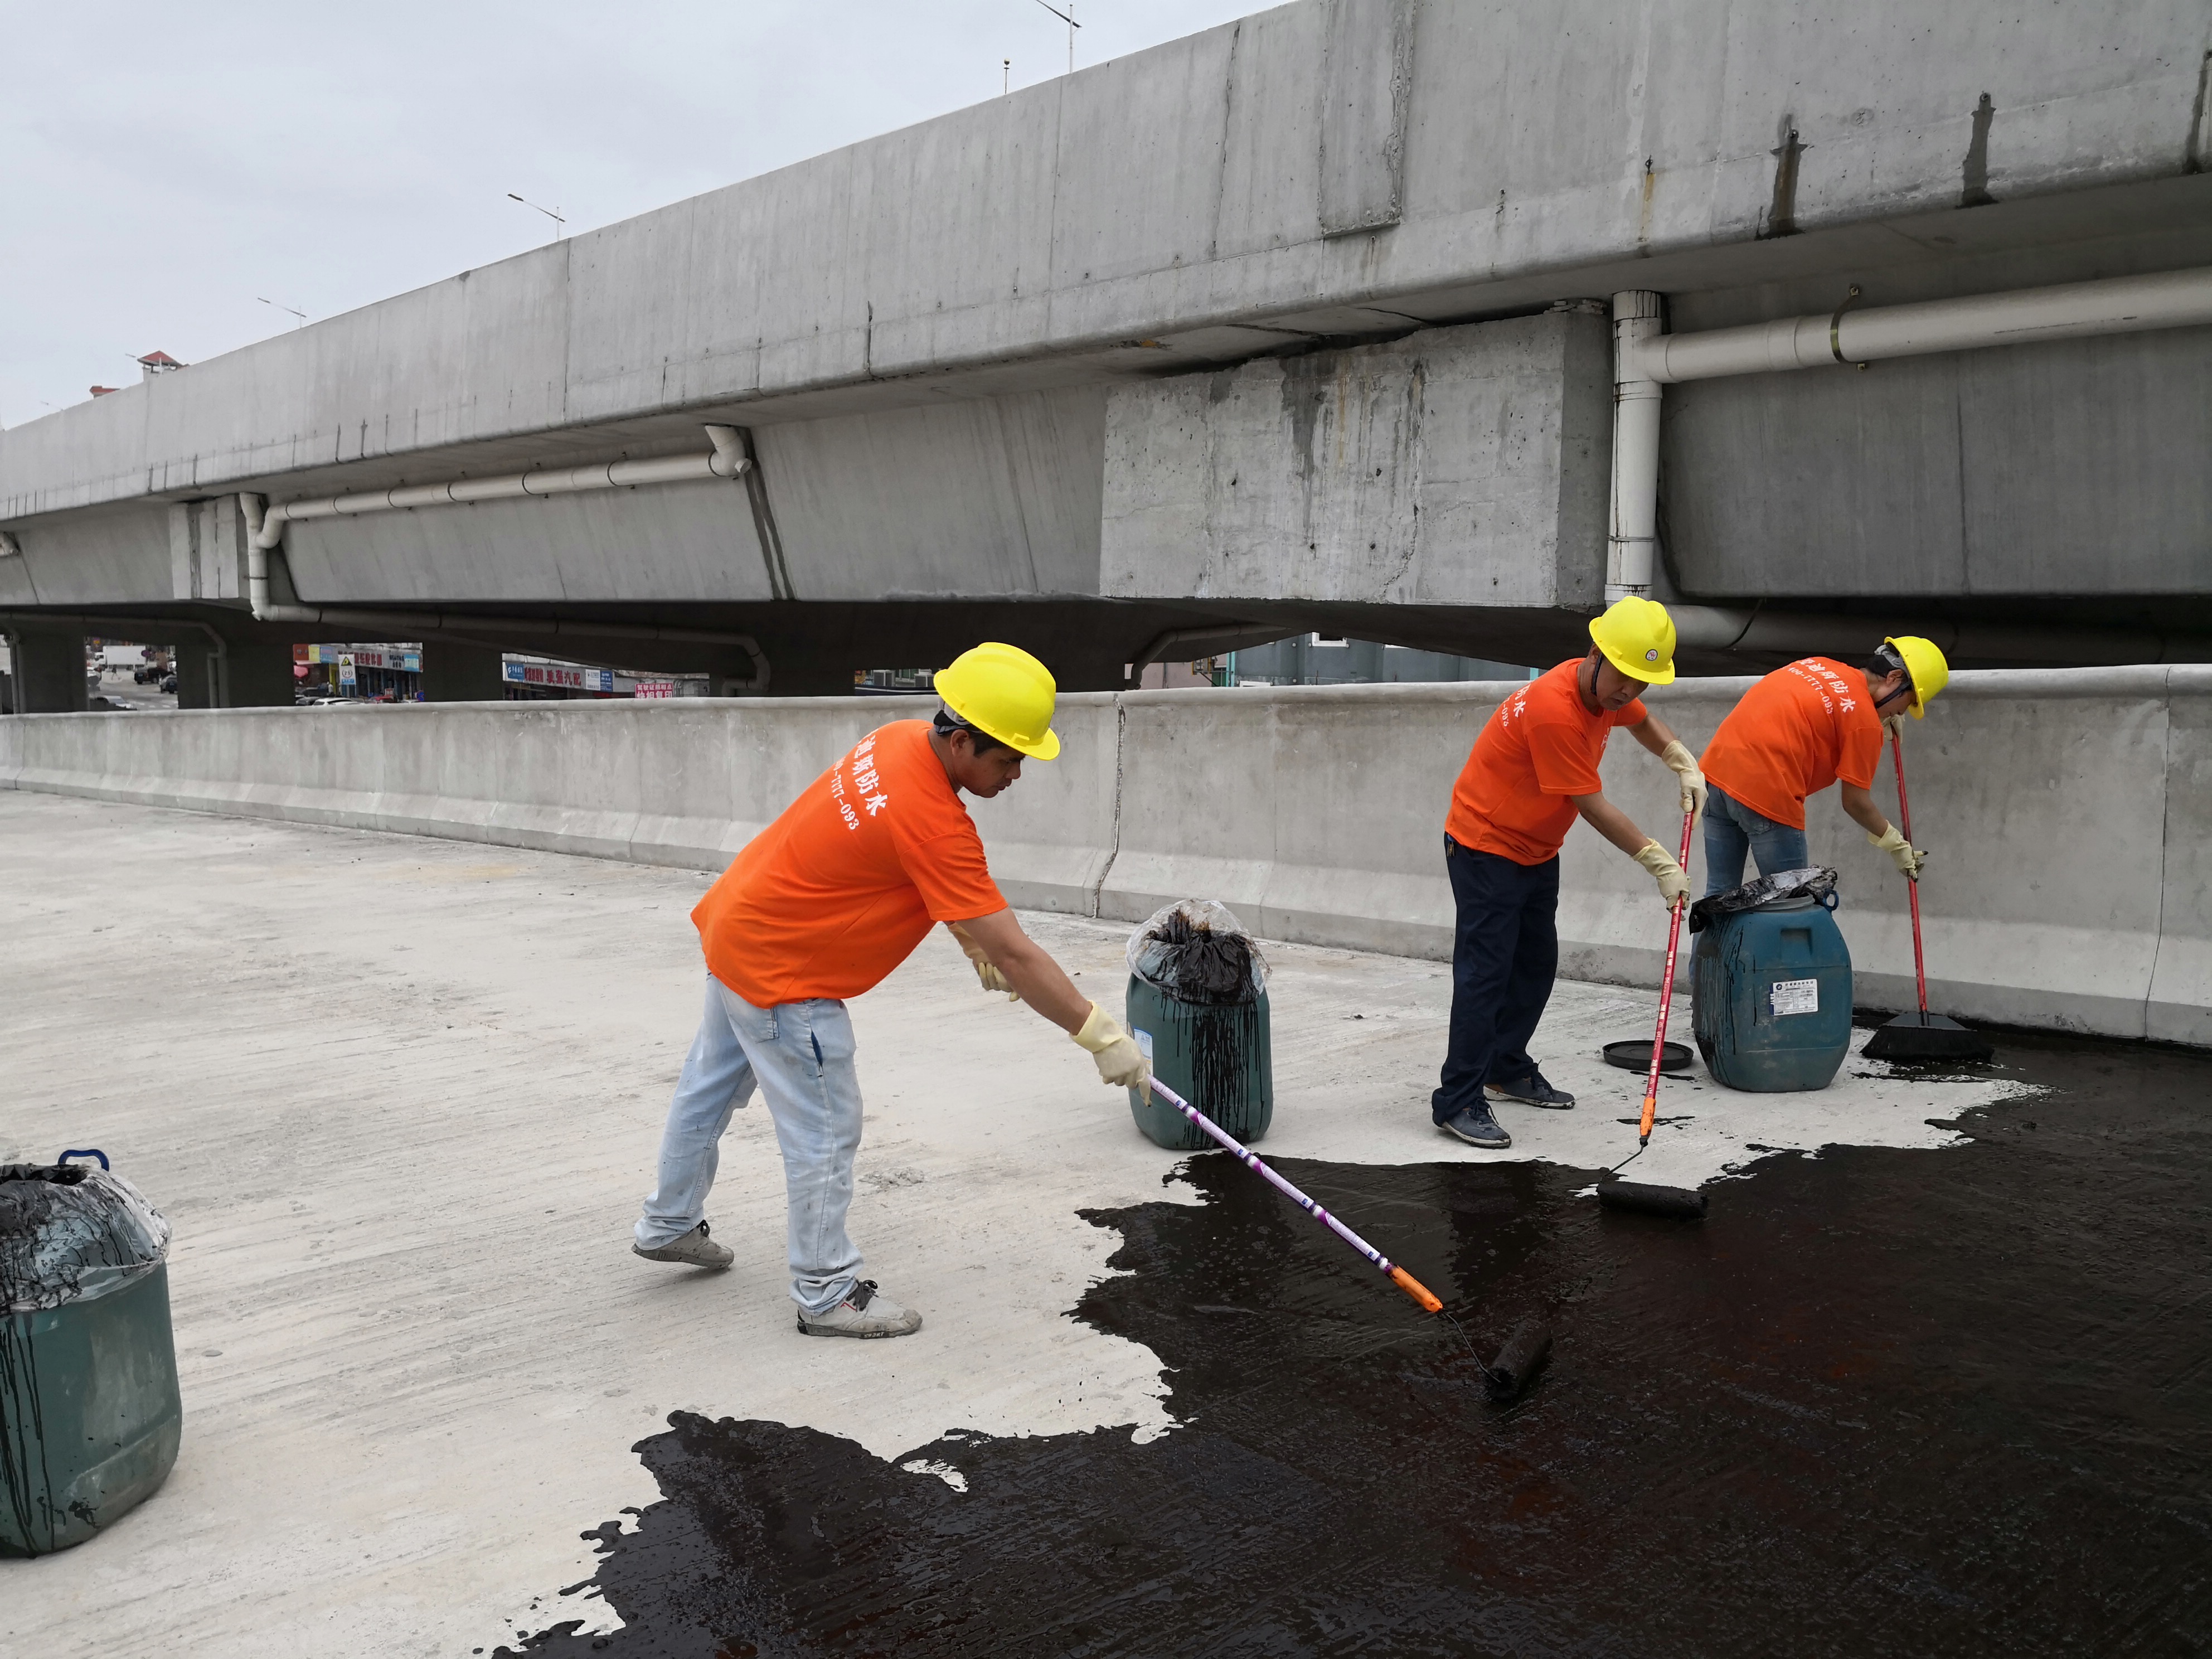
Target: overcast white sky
(164, 167)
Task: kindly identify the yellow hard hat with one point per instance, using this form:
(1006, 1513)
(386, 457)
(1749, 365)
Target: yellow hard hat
(1637, 637)
(1005, 693)
(1924, 666)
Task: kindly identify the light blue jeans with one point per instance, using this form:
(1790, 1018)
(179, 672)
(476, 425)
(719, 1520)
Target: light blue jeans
(1732, 830)
(801, 1055)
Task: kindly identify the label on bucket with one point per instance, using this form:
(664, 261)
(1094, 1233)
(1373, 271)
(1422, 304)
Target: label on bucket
(1797, 996)
(1144, 1044)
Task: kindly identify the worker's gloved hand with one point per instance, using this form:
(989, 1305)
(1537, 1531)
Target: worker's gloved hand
(1893, 726)
(1121, 1062)
(1673, 881)
(1908, 858)
(986, 969)
(1677, 755)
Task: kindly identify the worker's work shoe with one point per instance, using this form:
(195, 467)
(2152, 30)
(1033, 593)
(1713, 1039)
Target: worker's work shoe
(1531, 1090)
(1477, 1128)
(691, 1250)
(865, 1311)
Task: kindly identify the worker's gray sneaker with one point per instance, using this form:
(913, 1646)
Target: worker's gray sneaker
(1531, 1090)
(865, 1311)
(691, 1250)
(1477, 1128)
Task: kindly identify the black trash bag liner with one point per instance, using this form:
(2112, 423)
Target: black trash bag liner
(1812, 883)
(69, 1232)
(1197, 951)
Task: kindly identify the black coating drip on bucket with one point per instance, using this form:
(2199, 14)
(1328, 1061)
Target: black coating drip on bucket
(1223, 1042)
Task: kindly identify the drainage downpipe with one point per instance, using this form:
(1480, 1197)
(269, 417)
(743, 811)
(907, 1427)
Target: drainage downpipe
(1645, 360)
(1633, 519)
(265, 529)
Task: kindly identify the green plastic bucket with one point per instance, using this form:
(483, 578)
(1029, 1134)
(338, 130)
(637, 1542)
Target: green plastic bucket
(90, 1416)
(1215, 1057)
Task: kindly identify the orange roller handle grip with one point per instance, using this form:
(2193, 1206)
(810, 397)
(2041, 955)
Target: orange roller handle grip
(1414, 1287)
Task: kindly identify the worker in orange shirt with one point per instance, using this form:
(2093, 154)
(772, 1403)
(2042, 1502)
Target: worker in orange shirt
(1796, 732)
(819, 907)
(1531, 772)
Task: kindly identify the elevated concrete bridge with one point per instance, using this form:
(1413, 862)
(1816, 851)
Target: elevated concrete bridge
(1302, 322)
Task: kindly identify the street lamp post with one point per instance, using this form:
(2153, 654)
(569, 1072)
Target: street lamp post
(1068, 18)
(554, 214)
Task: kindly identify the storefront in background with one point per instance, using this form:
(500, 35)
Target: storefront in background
(375, 673)
(393, 673)
(533, 678)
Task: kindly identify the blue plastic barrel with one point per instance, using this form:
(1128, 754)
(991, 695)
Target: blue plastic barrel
(1771, 989)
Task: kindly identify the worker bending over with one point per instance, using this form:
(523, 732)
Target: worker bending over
(819, 907)
(1531, 772)
(1796, 732)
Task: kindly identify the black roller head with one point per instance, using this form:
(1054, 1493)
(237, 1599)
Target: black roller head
(1676, 1203)
(1918, 1037)
(1519, 1361)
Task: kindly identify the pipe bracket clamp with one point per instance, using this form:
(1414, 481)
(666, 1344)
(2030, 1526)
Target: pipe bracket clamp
(1836, 328)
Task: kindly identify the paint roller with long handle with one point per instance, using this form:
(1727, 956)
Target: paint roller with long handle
(1922, 1035)
(1404, 1280)
(1679, 1202)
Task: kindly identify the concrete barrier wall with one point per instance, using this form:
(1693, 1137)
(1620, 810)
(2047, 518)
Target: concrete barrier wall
(2067, 810)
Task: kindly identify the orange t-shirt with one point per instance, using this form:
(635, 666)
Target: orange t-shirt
(1795, 733)
(1541, 746)
(837, 892)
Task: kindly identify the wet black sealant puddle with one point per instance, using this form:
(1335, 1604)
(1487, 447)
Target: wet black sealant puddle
(1880, 1402)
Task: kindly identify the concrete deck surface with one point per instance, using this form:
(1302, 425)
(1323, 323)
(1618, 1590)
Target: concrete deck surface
(400, 1097)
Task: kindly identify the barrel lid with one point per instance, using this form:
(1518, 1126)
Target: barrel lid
(71, 1233)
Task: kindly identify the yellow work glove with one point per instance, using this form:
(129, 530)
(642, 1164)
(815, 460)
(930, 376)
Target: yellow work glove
(1673, 880)
(986, 969)
(1678, 756)
(1894, 725)
(1121, 1062)
(1908, 858)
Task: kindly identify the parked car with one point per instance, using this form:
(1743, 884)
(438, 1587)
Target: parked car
(169, 683)
(110, 705)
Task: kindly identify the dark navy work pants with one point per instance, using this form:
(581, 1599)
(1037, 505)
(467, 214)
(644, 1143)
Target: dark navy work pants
(1505, 953)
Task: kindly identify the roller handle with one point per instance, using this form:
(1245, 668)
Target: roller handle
(1911, 883)
(1414, 1287)
(1666, 992)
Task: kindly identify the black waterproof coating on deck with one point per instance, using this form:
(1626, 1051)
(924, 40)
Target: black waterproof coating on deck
(1815, 884)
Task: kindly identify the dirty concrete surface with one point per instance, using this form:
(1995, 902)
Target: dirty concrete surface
(400, 1097)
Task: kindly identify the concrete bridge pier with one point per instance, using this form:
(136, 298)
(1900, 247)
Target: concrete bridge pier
(454, 673)
(48, 671)
(250, 673)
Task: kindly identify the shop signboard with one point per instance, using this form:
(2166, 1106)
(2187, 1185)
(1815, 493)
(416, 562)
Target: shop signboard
(563, 677)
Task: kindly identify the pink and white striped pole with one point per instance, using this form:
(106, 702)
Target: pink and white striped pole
(1404, 1280)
